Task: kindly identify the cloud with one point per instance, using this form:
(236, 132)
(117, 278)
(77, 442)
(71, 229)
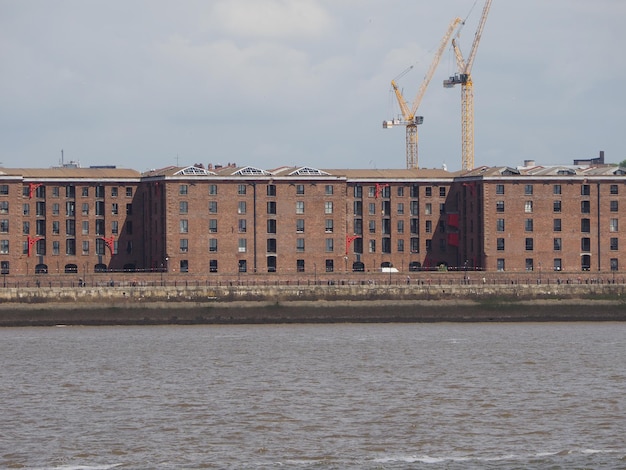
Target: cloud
(271, 18)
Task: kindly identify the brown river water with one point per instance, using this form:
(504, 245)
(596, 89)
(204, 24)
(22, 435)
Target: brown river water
(334, 396)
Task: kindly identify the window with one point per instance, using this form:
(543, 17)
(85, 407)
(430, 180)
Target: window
(4, 267)
(183, 226)
(428, 191)
(585, 207)
(415, 245)
(55, 191)
(415, 191)
(585, 225)
(614, 245)
(442, 192)
(613, 225)
(400, 245)
(499, 189)
(558, 244)
(614, 189)
(243, 266)
(4, 208)
(25, 227)
(70, 246)
(212, 245)
(300, 265)
(55, 208)
(500, 244)
(241, 189)
(100, 227)
(114, 208)
(70, 227)
(330, 245)
(114, 191)
(528, 225)
(271, 190)
(400, 191)
(556, 206)
(299, 189)
(358, 226)
(400, 227)
(372, 246)
(85, 227)
(528, 206)
(328, 190)
(556, 189)
(4, 189)
(528, 190)
(4, 226)
(241, 207)
(242, 226)
(400, 208)
(529, 264)
(330, 266)
(358, 208)
(358, 191)
(499, 206)
(371, 191)
(299, 244)
(556, 225)
(386, 245)
(70, 192)
(271, 226)
(500, 225)
(372, 226)
(183, 190)
(242, 245)
(614, 206)
(184, 245)
(428, 227)
(56, 230)
(415, 226)
(212, 207)
(428, 208)
(184, 266)
(328, 207)
(585, 190)
(213, 266)
(85, 247)
(129, 209)
(212, 225)
(614, 264)
(299, 225)
(4, 246)
(329, 225)
(212, 189)
(500, 264)
(114, 227)
(414, 208)
(271, 245)
(558, 264)
(99, 207)
(271, 207)
(99, 191)
(41, 227)
(585, 244)
(529, 244)
(85, 192)
(129, 192)
(299, 207)
(183, 207)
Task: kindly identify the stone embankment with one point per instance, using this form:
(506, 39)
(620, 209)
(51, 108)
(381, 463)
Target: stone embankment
(125, 305)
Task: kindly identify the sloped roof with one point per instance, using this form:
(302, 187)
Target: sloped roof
(71, 173)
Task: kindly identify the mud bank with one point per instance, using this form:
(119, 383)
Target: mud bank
(372, 311)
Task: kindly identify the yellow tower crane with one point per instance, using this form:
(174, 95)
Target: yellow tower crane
(408, 118)
(464, 78)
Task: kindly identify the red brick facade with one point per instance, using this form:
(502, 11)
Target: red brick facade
(230, 221)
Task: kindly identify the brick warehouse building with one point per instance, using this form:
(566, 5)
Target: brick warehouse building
(229, 220)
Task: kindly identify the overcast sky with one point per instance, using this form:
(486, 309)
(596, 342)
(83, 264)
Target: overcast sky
(151, 83)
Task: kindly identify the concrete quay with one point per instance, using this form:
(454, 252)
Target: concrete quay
(258, 304)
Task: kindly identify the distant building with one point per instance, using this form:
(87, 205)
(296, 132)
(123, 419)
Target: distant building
(225, 220)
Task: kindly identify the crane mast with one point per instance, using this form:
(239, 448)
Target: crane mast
(409, 119)
(464, 78)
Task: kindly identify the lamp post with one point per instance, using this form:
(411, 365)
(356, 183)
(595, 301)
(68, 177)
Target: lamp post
(465, 274)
